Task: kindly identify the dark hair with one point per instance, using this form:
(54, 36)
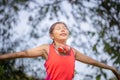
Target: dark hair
(53, 26)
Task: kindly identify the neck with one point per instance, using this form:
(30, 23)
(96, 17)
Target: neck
(59, 43)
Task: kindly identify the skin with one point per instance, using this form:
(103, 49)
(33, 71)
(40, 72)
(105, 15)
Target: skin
(59, 35)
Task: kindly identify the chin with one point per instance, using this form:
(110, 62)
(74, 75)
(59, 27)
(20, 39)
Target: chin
(63, 39)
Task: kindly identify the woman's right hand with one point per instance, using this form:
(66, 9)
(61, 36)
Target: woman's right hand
(31, 53)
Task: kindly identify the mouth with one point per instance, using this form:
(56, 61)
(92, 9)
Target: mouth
(63, 34)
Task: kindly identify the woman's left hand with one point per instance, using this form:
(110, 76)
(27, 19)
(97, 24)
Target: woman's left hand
(116, 73)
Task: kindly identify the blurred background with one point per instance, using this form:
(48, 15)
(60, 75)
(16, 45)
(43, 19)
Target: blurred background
(94, 30)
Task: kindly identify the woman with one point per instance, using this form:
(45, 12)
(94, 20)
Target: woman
(60, 58)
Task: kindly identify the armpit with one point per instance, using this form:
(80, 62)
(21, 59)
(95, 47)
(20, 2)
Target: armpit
(45, 54)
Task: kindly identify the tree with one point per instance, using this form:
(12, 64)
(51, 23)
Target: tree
(8, 19)
(103, 14)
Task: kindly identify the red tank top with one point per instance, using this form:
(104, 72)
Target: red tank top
(59, 67)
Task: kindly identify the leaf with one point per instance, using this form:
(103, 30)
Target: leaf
(15, 8)
(101, 34)
(94, 48)
(2, 71)
(98, 77)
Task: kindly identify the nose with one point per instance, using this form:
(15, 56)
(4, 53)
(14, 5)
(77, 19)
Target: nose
(62, 29)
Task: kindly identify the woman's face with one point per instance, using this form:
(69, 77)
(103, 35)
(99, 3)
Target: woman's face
(60, 32)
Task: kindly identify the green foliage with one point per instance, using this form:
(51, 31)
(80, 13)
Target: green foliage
(10, 74)
(2, 71)
(98, 77)
(104, 17)
(108, 29)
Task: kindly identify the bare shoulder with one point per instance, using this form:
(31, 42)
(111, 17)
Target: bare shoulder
(76, 52)
(44, 46)
(39, 49)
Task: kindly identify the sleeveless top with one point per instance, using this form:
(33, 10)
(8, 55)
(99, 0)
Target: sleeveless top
(59, 67)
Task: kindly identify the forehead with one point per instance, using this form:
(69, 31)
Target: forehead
(60, 25)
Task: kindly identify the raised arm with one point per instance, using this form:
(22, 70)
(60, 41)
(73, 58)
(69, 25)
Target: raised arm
(85, 59)
(31, 53)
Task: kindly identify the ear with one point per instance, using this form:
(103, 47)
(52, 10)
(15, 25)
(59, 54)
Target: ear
(51, 35)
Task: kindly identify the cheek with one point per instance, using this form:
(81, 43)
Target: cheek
(56, 33)
(68, 33)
